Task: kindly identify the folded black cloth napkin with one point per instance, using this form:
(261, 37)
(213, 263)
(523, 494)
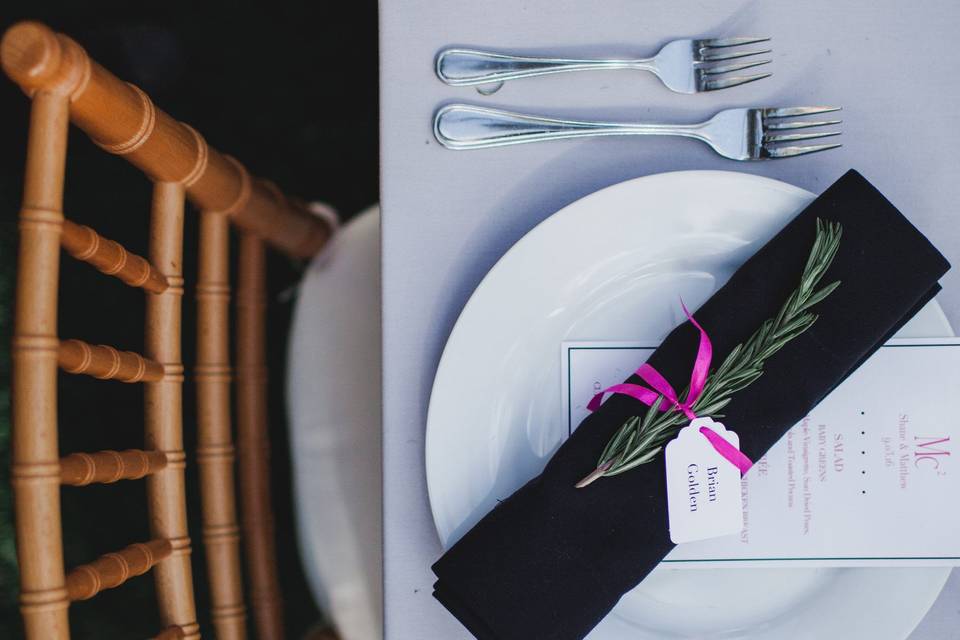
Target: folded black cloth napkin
(551, 561)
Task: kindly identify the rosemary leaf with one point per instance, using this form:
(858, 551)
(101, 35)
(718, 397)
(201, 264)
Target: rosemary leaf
(820, 295)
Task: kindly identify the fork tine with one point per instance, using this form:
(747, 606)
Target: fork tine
(732, 55)
(799, 124)
(789, 152)
(792, 137)
(783, 112)
(727, 68)
(717, 43)
(733, 81)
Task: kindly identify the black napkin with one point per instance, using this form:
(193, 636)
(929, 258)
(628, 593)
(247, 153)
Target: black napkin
(551, 561)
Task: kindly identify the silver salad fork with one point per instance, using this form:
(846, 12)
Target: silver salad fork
(685, 66)
(738, 134)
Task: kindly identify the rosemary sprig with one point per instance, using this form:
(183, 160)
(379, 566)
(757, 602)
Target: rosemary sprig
(639, 440)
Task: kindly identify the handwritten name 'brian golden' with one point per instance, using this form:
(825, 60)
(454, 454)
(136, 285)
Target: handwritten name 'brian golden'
(693, 485)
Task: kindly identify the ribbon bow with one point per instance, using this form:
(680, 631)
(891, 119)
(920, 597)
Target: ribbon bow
(661, 388)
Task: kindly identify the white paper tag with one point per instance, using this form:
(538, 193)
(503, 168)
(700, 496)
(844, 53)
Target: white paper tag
(703, 487)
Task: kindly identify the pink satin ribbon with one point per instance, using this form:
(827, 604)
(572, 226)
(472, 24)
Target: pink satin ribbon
(660, 387)
(727, 450)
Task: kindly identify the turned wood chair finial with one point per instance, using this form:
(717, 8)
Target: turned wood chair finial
(33, 56)
(65, 86)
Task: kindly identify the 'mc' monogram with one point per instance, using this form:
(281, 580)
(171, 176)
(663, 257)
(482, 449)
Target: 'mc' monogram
(930, 451)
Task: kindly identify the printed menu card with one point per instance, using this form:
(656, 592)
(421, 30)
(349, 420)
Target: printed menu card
(867, 478)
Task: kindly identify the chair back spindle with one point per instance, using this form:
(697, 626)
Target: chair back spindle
(83, 243)
(36, 460)
(253, 444)
(163, 406)
(215, 452)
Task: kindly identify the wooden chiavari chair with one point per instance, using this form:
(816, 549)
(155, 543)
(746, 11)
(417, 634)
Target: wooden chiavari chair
(65, 85)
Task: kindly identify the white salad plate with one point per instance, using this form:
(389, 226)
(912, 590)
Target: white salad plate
(611, 267)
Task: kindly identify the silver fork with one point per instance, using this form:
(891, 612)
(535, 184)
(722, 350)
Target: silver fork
(738, 134)
(685, 66)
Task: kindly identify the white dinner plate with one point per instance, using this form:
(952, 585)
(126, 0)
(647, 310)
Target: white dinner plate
(333, 402)
(610, 267)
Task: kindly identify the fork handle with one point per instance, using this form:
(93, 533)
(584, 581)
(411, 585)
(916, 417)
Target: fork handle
(461, 126)
(461, 67)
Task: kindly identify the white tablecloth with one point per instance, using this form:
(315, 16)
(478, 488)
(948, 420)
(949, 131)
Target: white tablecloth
(448, 216)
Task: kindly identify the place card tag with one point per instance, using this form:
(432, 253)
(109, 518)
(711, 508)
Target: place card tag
(703, 487)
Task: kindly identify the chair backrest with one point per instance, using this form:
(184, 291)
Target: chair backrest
(65, 85)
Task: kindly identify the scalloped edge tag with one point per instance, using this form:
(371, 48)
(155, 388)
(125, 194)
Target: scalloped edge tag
(703, 487)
